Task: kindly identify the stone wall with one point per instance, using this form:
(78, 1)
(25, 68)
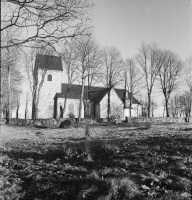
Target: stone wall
(56, 122)
(156, 119)
(39, 122)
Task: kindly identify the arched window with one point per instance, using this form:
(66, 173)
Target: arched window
(49, 77)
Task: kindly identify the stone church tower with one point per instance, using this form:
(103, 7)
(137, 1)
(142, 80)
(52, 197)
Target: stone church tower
(51, 85)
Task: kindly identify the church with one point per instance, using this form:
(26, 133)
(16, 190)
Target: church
(54, 89)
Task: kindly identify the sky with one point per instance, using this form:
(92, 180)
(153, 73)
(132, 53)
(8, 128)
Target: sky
(125, 24)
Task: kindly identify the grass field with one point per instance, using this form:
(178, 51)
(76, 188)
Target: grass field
(118, 162)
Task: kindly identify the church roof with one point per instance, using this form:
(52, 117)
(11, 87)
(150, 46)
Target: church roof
(121, 94)
(75, 91)
(48, 62)
(95, 94)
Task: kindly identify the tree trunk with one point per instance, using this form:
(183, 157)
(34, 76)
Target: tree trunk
(149, 105)
(130, 105)
(26, 109)
(80, 102)
(108, 104)
(9, 97)
(166, 107)
(33, 114)
(17, 112)
(65, 102)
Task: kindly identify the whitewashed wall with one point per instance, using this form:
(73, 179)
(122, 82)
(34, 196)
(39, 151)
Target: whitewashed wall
(74, 102)
(115, 102)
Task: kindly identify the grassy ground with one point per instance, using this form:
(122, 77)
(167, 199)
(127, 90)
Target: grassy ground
(118, 162)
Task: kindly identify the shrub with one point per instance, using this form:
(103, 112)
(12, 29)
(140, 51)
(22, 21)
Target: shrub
(65, 124)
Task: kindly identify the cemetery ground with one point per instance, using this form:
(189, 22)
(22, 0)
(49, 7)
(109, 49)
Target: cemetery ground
(118, 162)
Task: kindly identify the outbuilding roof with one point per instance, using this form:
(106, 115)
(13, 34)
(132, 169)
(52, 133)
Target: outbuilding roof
(48, 62)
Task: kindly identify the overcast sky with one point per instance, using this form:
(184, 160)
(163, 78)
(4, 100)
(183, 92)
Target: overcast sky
(125, 24)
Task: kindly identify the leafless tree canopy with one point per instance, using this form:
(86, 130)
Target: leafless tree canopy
(69, 60)
(87, 52)
(169, 73)
(112, 67)
(45, 21)
(133, 76)
(150, 60)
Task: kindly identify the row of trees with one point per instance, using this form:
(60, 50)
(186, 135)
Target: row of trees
(67, 23)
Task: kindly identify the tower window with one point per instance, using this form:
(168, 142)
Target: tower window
(49, 77)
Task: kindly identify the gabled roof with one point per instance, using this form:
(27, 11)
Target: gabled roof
(48, 62)
(75, 91)
(121, 94)
(95, 94)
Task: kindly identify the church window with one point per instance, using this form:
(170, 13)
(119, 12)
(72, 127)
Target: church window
(49, 77)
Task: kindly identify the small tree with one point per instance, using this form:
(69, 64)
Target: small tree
(188, 79)
(134, 78)
(185, 103)
(112, 68)
(69, 58)
(150, 59)
(169, 73)
(10, 75)
(86, 50)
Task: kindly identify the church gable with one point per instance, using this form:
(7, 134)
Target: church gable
(116, 105)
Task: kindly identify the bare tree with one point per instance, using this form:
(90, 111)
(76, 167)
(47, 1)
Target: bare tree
(134, 78)
(188, 79)
(185, 104)
(169, 73)
(26, 104)
(45, 22)
(174, 105)
(150, 59)
(111, 74)
(10, 75)
(36, 75)
(86, 50)
(69, 57)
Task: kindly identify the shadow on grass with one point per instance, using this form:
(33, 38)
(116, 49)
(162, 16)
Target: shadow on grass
(66, 173)
(41, 126)
(186, 129)
(55, 187)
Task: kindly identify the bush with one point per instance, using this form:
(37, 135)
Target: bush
(65, 124)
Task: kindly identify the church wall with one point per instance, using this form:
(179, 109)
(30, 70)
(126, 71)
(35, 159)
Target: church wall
(72, 106)
(116, 105)
(91, 109)
(47, 93)
(97, 111)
